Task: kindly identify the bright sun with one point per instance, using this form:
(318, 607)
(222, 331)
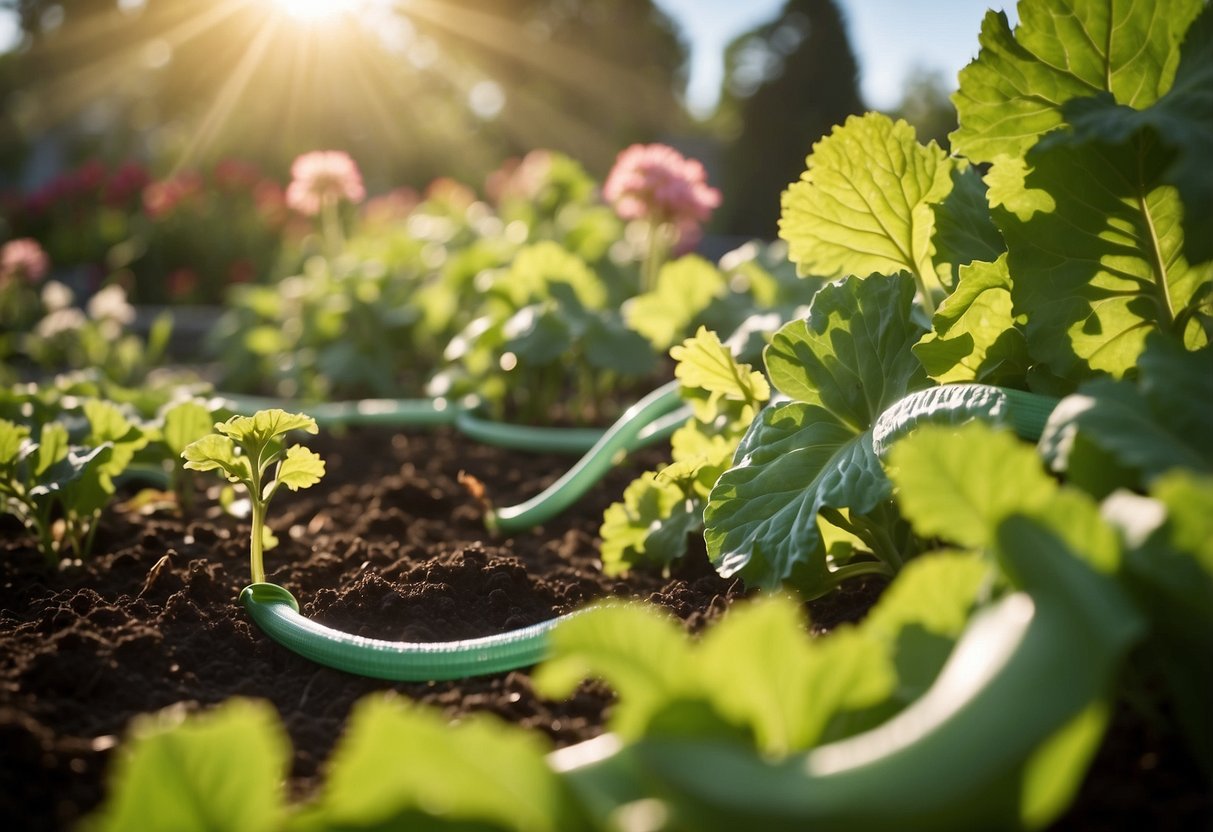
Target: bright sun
(315, 10)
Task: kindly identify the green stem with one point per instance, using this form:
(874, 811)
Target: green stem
(659, 246)
(873, 534)
(851, 570)
(256, 563)
(330, 220)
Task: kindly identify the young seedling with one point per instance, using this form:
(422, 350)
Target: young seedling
(243, 449)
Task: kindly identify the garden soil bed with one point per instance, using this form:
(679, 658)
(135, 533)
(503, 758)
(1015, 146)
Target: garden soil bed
(387, 545)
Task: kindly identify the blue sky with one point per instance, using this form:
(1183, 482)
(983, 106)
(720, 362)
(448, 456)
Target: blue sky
(889, 37)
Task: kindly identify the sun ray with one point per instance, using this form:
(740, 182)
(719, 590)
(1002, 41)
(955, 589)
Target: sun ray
(229, 94)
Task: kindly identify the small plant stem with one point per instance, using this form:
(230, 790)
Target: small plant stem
(256, 563)
(659, 246)
(852, 570)
(873, 534)
(330, 220)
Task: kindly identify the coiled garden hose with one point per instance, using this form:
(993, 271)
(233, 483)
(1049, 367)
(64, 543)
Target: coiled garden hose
(657, 414)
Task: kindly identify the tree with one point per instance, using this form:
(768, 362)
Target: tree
(786, 83)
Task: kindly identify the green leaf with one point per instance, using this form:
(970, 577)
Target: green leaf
(223, 769)
(648, 527)
(761, 518)
(107, 423)
(11, 437)
(685, 288)
(89, 486)
(847, 362)
(610, 345)
(184, 423)
(1057, 767)
(1181, 120)
(1160, 423)
(852, 354)
(52, 447)
(75, 464)
(757, 670)
(864, 205)
(935, 592)
(537, 267)
(701, 455)
(964, 232)
(400, 766)
(1062, 49)
(1095, 248)
(214, 452)
(256, 430)
(638, 650)
(958, 483)
(707, 364)
(761, 669)
(923, 612)
(300, 468)
(976, 336)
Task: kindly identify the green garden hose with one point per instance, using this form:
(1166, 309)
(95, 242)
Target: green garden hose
(1027, 670)
(657, 414)
(277, 613)
(462, 415)
(624, 435)
(387, 412)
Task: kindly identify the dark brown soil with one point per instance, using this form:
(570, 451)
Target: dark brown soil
(387, 545)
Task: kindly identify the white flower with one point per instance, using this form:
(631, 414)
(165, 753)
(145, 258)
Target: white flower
(56, 296)
(60, 321)
(110, 304)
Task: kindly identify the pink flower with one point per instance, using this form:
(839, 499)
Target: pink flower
(657, 183)
(23, 258)
(236, 175)
(320, 176)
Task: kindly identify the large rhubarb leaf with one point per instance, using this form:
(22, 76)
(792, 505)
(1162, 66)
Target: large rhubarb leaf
(1015, 90)
(864, 205)
(1181, 120)
(1096, 255)
(844, 364)
(851, 355)
(1149, 427)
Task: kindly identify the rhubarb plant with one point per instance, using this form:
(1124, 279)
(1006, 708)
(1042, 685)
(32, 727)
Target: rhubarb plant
(650, 525)
(243, 450)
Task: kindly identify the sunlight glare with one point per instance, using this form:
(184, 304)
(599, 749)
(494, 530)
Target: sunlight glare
(315, 11)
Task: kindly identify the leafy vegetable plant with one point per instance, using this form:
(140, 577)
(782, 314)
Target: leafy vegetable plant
(58, 487)
(1052, 270)
(659, 509)
(244, 449)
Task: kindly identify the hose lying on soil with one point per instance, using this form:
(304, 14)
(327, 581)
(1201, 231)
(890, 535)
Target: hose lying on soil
(657, 414)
